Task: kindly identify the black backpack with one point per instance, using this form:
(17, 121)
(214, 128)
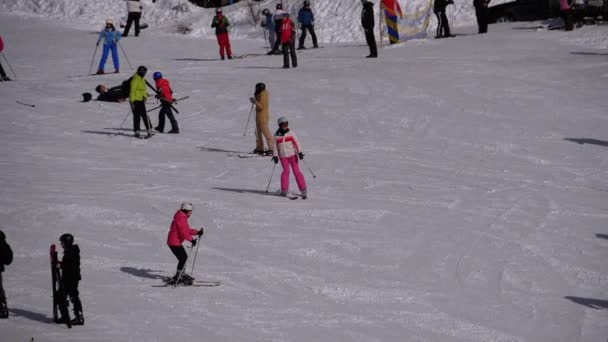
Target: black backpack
(126, 87)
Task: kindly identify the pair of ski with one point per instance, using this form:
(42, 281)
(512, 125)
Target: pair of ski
(60, 302)
(195, 283)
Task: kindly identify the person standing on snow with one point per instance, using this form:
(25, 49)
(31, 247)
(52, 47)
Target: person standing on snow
(6, 257)
(137, 97)
(268, 25)
(179, 232)
(443, 26)
(220, 23)
(134, 8)
(3, 76)
(262, 116)
(165, 95)
(287, 149)
(567, 14)
(110, 38)
(481, 12)
(307, 21)
(70, 276)
(278, 20)
(288, 41)
(367, 21)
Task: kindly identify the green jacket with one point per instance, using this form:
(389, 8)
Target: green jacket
(138, 89)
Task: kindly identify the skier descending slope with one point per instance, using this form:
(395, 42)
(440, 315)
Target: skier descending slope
(70, 276)
(180, 230)
(287, 149)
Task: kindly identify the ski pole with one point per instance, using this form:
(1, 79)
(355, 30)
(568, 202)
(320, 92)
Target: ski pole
(158, 93)
(176, 101)
(126, 57)
(249, 118)
(9, 64)
(123, 122)
(195, 254)
(309, 170)
(93, 59)
(270, 180)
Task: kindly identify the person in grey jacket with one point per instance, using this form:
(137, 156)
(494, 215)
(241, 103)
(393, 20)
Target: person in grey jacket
(6, 257)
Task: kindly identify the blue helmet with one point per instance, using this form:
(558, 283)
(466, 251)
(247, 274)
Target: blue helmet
(157, 75)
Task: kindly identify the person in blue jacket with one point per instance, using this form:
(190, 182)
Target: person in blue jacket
(110, 38)
(268, 25)
(307, 22)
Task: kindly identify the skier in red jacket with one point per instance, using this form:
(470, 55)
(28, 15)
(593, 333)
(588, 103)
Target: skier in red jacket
(288, 41)
(165, 95)
(179, 232)
(3, 76)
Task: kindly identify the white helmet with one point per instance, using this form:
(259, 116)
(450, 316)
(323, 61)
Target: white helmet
(282, 120)
(186, 206)
(109, 22)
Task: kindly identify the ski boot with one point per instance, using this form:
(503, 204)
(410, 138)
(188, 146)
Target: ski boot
(137, 135)
(78, 319)
(256, 151)
(149, 133)
(304, 194)
(284, 193)
(3, 312)
(268, 153)
(99, 72)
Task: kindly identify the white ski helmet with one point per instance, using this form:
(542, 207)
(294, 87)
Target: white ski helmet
(109, 22)
(282, 120)
(186, 206)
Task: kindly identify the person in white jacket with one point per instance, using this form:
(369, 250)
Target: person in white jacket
(134, 8)
(287, 149)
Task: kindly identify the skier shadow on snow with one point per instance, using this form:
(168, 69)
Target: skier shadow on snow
(588, 141)
(109, 133)
(589, 53)
(34, 316)
(119, 129)
(142, 272)
(196, 59)
(602, 236)
(597, 304)
(211, 149)
(250, 191)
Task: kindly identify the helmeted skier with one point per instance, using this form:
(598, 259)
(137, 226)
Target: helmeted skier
(179, 232)
(262, 116)
(70, 276)
(220, 23)
(307, 22)
(278, 21)
(165, 95)
(288, 41)
(287, 150)
(137, 97)
(110, 38)
(6, 257)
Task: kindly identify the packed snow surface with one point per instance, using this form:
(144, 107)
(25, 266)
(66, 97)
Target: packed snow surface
(461, 191)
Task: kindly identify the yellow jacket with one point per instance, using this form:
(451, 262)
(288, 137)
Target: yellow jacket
(262, 111)
(138, 89)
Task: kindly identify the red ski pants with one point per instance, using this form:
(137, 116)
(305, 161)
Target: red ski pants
(224, 41)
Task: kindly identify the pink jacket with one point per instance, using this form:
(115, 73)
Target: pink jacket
(287, 145)
(564, 5)
(1, 44)
(180, 230)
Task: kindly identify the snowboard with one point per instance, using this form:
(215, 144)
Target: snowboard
(60, 304)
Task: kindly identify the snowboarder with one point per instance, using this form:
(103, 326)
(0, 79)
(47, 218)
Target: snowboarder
(268, 25)
(367, 21)
(278, 20)
(70, 276)
(114, 94)
(165, 95)
(443, 26)
(307, 22)
(262, 104)
(288, 41)
(220, 23)
(137, 97)
(179, 232)
(287, 149)
(6, 257)
(567, 14)
(134, 8)
(481, 11)
(110, 38)
(3, 76)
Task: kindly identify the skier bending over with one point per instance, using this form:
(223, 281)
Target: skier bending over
(6, 257)
(287, 149)
(110, 38)
(70, 276)
(180, 230)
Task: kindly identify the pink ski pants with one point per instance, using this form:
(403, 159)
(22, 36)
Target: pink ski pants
(293, 162)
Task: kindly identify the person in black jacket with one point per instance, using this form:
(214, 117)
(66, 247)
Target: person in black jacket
(6, 257)
(114, 94)
(481, 11)
(70, 276)
(443, 26)
(367, 21)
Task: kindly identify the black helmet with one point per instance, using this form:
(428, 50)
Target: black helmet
(260, 87)
(279, 6)
(306, 3)
(67, 239)
(141, 70)
(265, 11)
(86, 97)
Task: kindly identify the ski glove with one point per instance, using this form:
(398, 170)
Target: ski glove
(275, 160)
(201, 232)
(193, 242)
(252, 99)
(301, 155)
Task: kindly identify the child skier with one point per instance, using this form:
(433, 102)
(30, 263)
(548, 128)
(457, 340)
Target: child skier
(70, 276)
(262, 115)
(110, 37)
(180, 230)
(165, 95)
(288, 41)
(6, 257)
(287, 149)
(220, 23)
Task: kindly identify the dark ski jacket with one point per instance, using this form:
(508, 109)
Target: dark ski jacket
(367, 16)
(220, 23)
(440, 5)
(6, 253)
(481, 3)
(305, 16)
(113, 94)
(70, 265)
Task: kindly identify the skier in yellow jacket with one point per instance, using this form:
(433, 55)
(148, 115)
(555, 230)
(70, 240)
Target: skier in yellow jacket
(137, 97)
(262, 115)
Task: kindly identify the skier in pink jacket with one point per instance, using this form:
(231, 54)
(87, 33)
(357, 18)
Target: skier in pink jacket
(179, 232)
(287, 149)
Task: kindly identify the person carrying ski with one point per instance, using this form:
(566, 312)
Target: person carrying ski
(481, 12)
(268, 25)
(137, 97)
(3, 76)
(287, 149)
(114, 94)
(6, 257)
(262, 104)
(110, 38)
(278, 20)
(367, 21)
(165, 95)
(307, 22)
(134, 8)
(179, 232)
(288, 41)
(70, 276)
(220, 23)
(443, 26)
